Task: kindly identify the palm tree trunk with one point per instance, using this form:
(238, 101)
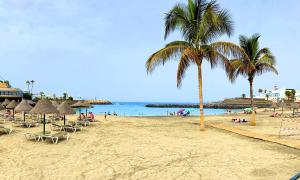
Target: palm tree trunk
(200, 98)
(31, 89)
(253, 118)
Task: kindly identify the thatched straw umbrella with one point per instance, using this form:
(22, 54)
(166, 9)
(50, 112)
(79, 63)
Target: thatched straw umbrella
(12, 105)
(1, 107)
(64, 108)
(30, 102)
(82, 104)
(295, 106)
(44, 107)
(55, 104)
(282, 105)
(5, 102)
(274, 106)
(23, 107)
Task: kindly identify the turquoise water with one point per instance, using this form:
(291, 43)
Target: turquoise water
(139, 109)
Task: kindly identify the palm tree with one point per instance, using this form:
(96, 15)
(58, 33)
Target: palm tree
(32, 82)
(65, 96)
(288, 94)
(42, 94)
(200, 23)
(251, 63)
(28, 84)
(7, 83)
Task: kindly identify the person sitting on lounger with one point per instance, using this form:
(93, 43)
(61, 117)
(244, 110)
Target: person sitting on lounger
(82, 116)
(91, 116)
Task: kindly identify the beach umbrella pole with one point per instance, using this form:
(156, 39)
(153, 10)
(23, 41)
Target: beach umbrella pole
(64, 119)
(86, 112)
(44, 124)
(24, 116)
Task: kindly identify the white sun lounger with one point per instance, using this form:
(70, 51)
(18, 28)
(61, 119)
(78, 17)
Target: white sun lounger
(56, 137)
(4, 130)
(32, 136)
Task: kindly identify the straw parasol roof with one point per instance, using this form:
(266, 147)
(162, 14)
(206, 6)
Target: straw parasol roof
(295, 106)
(65, 108)
(44, 106)
(81, 104)
(1, 107)
(30, 102)
(23, 107)
(274, 105)
(282, 104)
(55, 104)
(5, 102)
(12, 105)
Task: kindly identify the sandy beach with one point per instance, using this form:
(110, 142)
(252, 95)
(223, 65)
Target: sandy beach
(146, 148)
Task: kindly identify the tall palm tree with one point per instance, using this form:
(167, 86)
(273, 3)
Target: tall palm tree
(252, 62)
(32, 83)
(200, 22)
(28, 84)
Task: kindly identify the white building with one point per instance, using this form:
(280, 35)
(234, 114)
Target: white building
(276, 94)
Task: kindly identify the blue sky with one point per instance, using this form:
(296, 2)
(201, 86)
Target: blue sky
(93, 48)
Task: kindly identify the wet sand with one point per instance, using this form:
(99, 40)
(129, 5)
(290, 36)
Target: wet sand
(146, 148)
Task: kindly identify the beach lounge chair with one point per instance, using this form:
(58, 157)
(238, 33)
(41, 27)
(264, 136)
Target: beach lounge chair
(72, 128)
(2, 120)
(25, 124)
(30, 124)
(56, 127)
(4, 130)
(56, 137)
(81, 122)
(32, 136)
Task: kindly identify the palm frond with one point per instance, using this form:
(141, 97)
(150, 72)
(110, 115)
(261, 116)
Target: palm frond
(268, 59)
(265, 67)
(187, 58)
(178, 43)
(262, 52)
(163, 55)
(177, 18)
(250, 45)
(215, 22)
(229, 49)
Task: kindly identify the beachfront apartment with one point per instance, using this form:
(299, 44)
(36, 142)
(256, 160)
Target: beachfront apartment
(277, 94)
(7, 92)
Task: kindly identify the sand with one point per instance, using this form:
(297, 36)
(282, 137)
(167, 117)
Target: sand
(146, 148)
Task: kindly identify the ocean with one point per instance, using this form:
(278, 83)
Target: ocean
(139, 109)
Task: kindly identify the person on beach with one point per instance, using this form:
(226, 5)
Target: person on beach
(91, 116)
(82, 116)
(105, 115)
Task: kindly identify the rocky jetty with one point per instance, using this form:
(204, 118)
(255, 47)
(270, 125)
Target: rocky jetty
(99, 102)
(237, 103)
